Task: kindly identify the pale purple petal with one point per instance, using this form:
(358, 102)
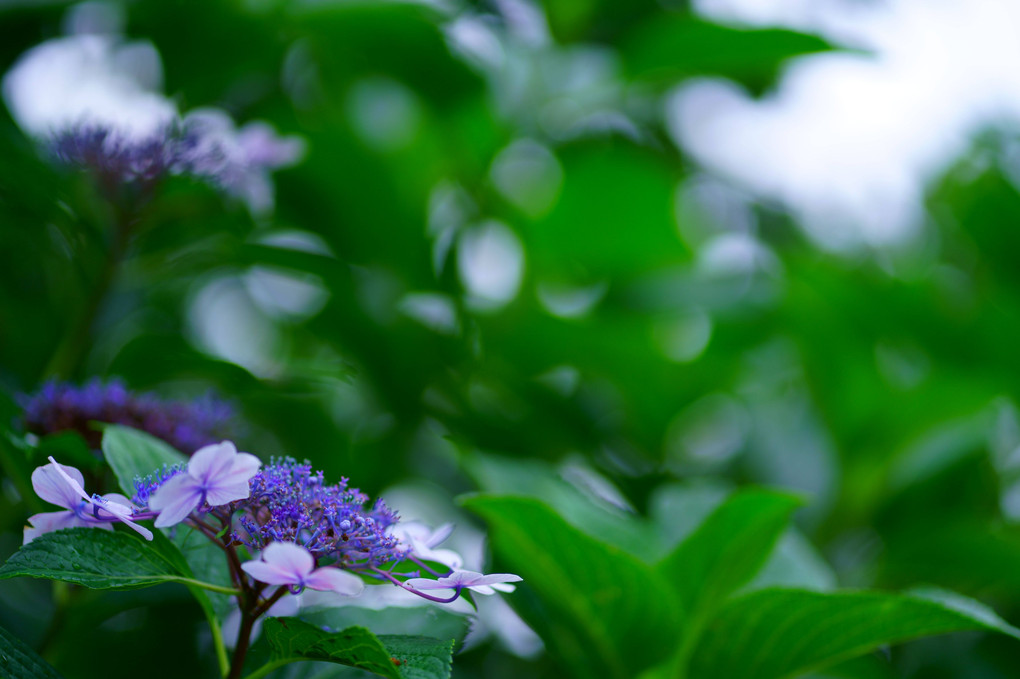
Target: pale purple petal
(335, 580)
(289, 557)
(47, 522)
(447, 557)
(231, 484)
(59, 484)
(426, 583)
(221, 495)
(211, 461)
(122, 512)
(439, 535)
(270, 574)
(175, 499)
(495, 578)
(119, 499)
(476, 582)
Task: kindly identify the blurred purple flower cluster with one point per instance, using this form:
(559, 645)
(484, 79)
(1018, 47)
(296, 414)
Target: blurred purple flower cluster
(93, 101)
(185, 425)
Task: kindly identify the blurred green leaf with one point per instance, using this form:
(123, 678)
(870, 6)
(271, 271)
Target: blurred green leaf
(18, 661)
(727, 549)
(600, 610)
(669, 47)
(132, 453)
(614, 216)
(538, 479)
(426, 620)
(69, 448)
(397, 657)
(781, 633)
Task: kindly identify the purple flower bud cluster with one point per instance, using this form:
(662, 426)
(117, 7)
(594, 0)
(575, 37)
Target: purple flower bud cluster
(116, 159)
(145, 487)
(204, 145)
(185, 425)
(290, 503)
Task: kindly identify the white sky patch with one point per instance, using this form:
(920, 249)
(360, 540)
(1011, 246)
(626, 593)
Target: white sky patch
(848, 142)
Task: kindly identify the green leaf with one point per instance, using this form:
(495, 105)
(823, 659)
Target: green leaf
(668, 48)
(777, 633)
(18, 661)
(68, 447)
(397, 657)
(424, 620)
(99, 559)
(601, 611)
(420, 657)
(538, 479)
(728, 549)
(132, 453)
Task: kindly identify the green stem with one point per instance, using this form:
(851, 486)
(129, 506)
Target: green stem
(218, 645)
(270, 666)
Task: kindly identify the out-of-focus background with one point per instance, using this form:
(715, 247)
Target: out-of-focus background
(618, 254)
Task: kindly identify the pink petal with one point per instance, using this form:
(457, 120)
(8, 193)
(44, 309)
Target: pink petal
(211, 461)
(175, 499)
(52, 486)
(335, 580)
(270, 573)
(290, 558)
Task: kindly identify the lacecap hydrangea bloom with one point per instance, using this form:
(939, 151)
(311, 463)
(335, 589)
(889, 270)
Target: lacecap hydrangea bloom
(301, 531)
(93, 101)
(185, 425)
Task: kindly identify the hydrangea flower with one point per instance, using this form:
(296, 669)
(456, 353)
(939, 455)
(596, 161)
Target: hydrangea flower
(476, 582)
(65, 487)
(285, 563)
(290, 503)
(101, 109)
(216, 475)
(423, 542)
(185, 425)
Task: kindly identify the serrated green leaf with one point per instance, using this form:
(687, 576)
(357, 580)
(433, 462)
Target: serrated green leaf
(18, 661)
(777, 633)
(727, 549)
(100, 559)
(132, 453)
(397, 657)
(592, 603)
(420, 657)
